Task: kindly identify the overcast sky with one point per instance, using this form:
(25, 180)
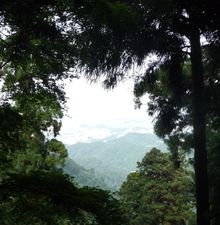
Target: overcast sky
(95, 113)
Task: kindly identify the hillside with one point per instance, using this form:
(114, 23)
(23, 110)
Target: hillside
(83, 176)
(112, 159)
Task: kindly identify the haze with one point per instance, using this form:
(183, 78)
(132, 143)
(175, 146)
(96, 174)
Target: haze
(96, 113)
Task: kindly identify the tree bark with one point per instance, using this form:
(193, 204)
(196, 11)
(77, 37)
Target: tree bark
(199, 130)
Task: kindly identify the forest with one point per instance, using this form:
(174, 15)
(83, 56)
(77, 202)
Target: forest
(44, 43)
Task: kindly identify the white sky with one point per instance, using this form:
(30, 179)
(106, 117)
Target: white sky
(96, 113)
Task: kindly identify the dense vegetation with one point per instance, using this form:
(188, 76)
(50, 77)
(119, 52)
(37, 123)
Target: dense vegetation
(157, 193)
(43, 42)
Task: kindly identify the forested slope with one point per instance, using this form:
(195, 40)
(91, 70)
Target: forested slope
(81, 175)
(112, 159)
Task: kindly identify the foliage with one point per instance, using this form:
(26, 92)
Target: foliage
(171, 30)
(43, 40)
(35, 57)
(174, 114)
(213, 147)
(52, 198)
(32, 99)
(157, 193)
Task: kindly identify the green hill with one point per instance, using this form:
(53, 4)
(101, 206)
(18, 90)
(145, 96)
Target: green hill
(83, 176)
(113, 159)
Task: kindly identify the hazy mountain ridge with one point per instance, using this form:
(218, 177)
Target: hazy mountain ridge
(83, 176)
(112, 159)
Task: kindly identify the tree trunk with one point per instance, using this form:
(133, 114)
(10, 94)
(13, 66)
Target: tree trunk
(199, 129)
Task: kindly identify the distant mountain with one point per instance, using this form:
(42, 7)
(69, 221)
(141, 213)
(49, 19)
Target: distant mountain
(83, 176)
(112, 159)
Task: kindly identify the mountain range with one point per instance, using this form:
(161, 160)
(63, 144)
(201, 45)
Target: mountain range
(107, 162)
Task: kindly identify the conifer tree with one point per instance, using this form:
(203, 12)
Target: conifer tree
(157, 193)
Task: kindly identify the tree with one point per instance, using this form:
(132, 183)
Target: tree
(126, 32)
(157, 193)
(109, 37)
(174, 114)
(213, 146)
(49, 198)
(35, 55)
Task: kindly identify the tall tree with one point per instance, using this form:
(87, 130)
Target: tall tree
(126, 32)
(174, 114)
(157, 193)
